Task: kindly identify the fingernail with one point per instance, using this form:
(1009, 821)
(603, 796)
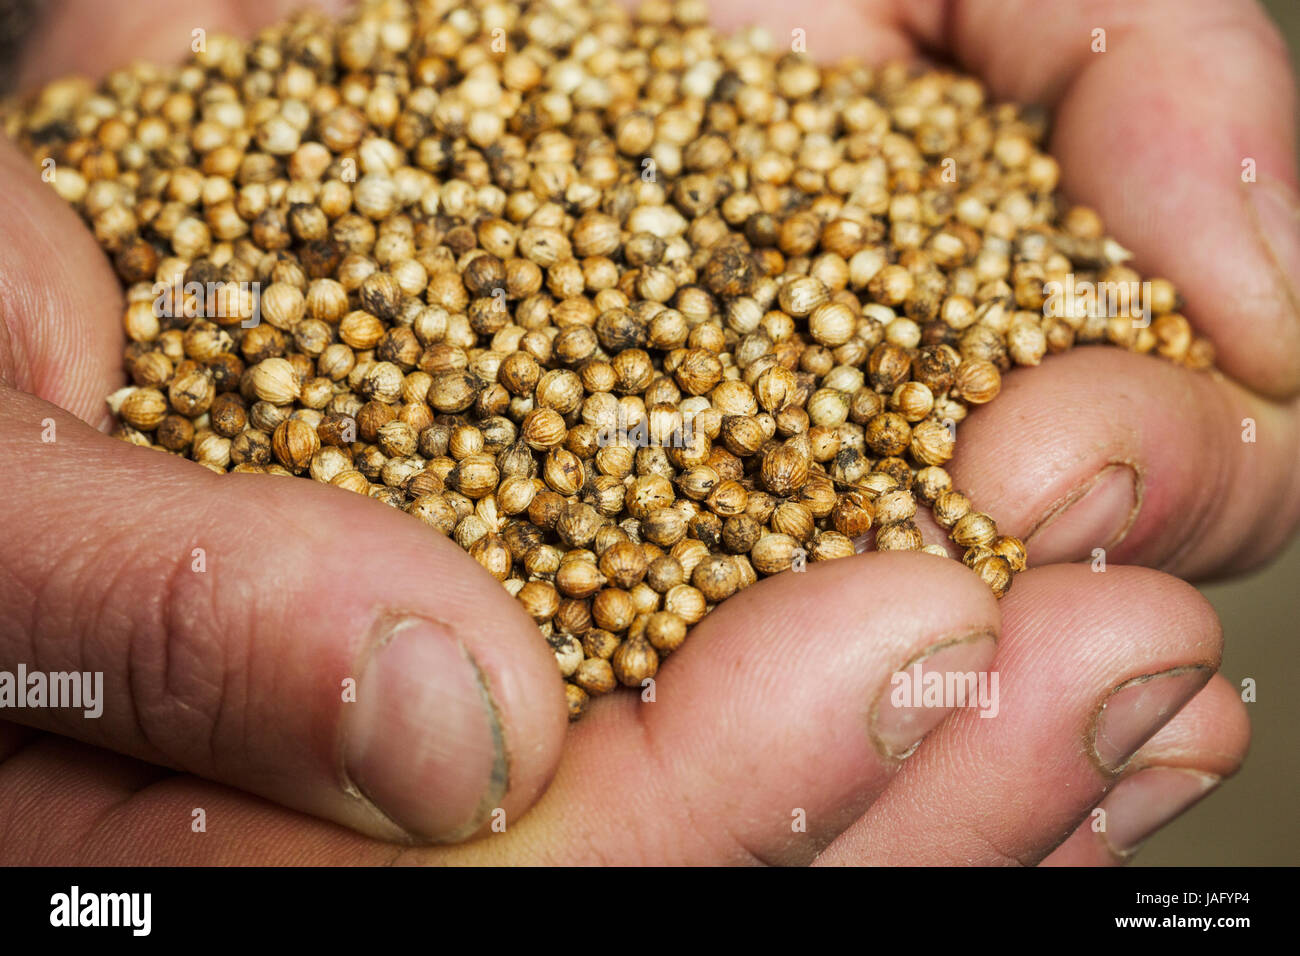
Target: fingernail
(1276, 213)
(909, 706)
(1143, 803)
(1097, 514)
(1136, 709)
(422, 741)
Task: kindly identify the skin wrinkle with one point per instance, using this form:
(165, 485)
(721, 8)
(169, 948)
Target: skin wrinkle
(223, 697)
(15, 351)
(73, 561)
(176, 625)
(169, 605)
(208, 519)
(1058, 841)
(18, 371)
(101, 818)
(8, 360)
(661, 770)
(176, 618)
(168, 622)
(1211, 505)
(246, 748)
(14, 583)
(952, 758)
(8, 836)
(113, 836)
(1252, 213)
(82, 652)
(1027, 858)
(171, 626)
(144, 684)
(15, 738)
(1005, 857)
(133, 683)
(596, 853)
(7, 769)
(35, 225)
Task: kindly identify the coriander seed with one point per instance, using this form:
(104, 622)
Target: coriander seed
(627, 396)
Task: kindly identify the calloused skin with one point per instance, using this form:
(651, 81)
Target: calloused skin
(222, 687)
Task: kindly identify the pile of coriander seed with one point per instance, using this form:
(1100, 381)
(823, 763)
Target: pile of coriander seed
(634, 312)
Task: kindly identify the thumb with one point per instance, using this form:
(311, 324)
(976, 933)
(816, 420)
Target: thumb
(296, 641)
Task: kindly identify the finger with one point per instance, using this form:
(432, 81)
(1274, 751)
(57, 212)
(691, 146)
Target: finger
(1161, 147)
(1185, 762)
(1156, 466)
(1090, 667)
(772, 728)
(60, 318)
(761, 743)
(302, 643)
(868, 29)
(13, 738)
(55, 786)
(64, 803)
(91, 37)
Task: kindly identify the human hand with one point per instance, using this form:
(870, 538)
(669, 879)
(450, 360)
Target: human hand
(231, 663)
(1156, 143)
(771, 739)
(811, 589)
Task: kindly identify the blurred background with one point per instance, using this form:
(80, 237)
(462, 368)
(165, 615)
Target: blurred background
(1251, 819)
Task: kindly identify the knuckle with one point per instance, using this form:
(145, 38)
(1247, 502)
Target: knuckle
(989, 850)
(686, 826)
(173, 680)
(180, 666)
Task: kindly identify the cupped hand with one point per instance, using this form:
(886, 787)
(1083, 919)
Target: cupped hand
(773, 710)
(1192, 474)
(771, 738)
(296, 642)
